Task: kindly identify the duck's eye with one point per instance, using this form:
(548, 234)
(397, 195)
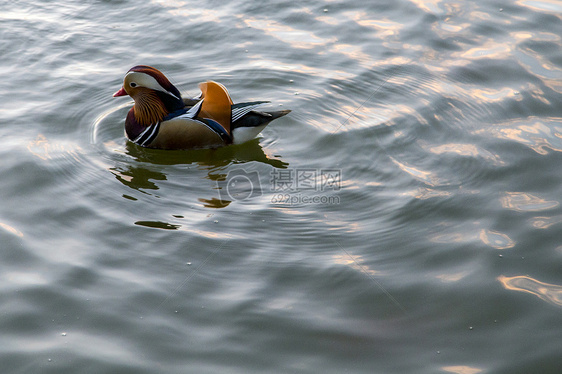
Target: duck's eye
(133, 84)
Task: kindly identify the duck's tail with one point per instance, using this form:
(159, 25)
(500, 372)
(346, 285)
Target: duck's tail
(252, 123)
(258, 118)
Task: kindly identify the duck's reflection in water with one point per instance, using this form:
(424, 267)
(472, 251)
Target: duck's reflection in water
(150, 167)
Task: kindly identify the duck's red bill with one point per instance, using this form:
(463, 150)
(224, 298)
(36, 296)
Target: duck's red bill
(121, 92)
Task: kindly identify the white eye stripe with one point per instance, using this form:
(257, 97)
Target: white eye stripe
(148, 81)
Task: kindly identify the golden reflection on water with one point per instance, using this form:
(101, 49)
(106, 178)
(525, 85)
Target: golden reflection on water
(429, 6)
(524, 202)
(548, 6)
(329, 20)
(490, 95)
(551, 293)
(452, 237)
(453, 277)
(384, 28)
(538, 134)
(491, 49)
(11, 230)
(419, 174)
(45, 150)
(468, 150)
(40, 147)
(181, 8)
(545, 222)
(461, 369)
(452, 28)
(304, 39)
(356, 262)
(496, 239)
(537, 63)
(426, 193)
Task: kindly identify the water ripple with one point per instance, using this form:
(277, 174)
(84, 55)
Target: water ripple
(442, 116)
(551, 293)
(525, 202)
(541, 135)
(496, 239)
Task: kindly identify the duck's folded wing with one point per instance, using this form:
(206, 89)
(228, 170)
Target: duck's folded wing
(185, 133)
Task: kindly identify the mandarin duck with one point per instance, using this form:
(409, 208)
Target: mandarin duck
(160, 118)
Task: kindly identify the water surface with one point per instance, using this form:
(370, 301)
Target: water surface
(404, 218)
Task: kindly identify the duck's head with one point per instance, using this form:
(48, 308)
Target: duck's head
(154, 95)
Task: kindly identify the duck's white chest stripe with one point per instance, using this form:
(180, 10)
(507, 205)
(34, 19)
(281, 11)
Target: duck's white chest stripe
(193, 111)
(148, 135)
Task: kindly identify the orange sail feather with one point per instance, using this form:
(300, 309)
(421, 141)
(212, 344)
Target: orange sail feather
(216, 104)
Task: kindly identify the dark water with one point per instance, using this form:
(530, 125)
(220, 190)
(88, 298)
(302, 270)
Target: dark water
(404, 218)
